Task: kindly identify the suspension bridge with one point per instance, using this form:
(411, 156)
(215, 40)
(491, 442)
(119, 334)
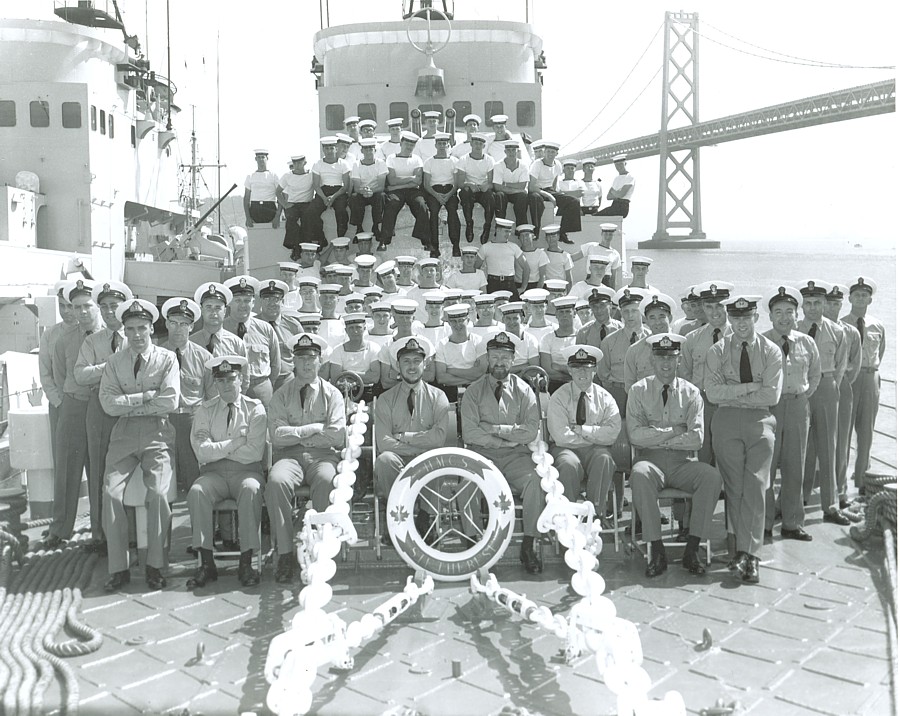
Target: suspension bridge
(682, 134)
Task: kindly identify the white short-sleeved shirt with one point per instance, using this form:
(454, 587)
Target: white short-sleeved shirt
(475, 170)
(622, 180)
(545, 174)
(297, 187)
(331, 174)
(505, 175)
(536, 260)
(460, 149)
(554, 345)
(591, 248)
(499, 259)
(370, 175)
(566, 185)
(387, 149)
(593, 192)
(441, 171)
(582, 289)
(459, 355)
(425, 148)
(404, 166)
(358, 361)
(560, 262)
(467, 281)
(261, 185)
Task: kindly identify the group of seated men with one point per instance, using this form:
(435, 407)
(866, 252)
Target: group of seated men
(702, 401)
(431, 176)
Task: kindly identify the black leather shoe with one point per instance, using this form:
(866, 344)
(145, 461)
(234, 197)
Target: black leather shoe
(284, 572)
(658, 565)
(456, 252)
(844, 503)
(564, 239)
(381, 246)
(248, 576)
(53, 542)
(835, 518)
(117, 580)
(750, 572)
(799, 534)
(202, 576)
(691, 562)
(485, 236)
(155, 580)
(530, 558)
(470, 234)
(737, 562)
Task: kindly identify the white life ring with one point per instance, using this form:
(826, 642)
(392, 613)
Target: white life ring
(443, 465)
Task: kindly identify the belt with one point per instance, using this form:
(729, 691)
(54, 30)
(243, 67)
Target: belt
(827, 373)
(442, 188)
(792, 396)
(868, 370)
(182, 411)
(495, 277)
(77, 397)
(262, 202)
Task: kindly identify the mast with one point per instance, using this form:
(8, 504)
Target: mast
(194, 167)
(218, 139)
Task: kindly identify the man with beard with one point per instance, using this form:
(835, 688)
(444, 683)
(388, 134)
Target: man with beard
(499, 419)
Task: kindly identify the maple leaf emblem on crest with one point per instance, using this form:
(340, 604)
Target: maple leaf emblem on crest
(503, 504)
(399, 515)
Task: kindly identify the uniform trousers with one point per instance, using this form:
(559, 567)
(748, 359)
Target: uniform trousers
(518, 468)
(706, 453)
(358, 204)
(434, 211)
(619, 207)
(315, 467)
(187, 469)
(394, 200)
(293, 218)
(822, 443)
(844, 428)
(146, 441)
(568, 208)
(387, 466)
(224, 480)
(744, 441)
(99, 428)
(53, 414)
(866, 394)
(791, 431)
(341, 213)
(261, 390)
(71, 460)
(519, 202)
(622, 446)
(503, 283)
(593, 462)
(262, 212)
(657, 468)
(468, 198)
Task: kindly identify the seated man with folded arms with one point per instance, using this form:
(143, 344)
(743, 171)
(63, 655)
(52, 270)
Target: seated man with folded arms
(229, 438)
(665, 425)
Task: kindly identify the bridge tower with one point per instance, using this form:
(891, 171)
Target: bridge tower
(678, 223)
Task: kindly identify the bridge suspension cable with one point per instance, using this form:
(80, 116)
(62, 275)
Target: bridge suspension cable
(790, 59)
(618, 89)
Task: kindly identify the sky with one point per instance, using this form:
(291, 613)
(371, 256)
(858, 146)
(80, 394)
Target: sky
(831, 183)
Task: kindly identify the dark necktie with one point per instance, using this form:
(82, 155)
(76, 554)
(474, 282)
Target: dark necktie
(180, 358)
(498, 391)
(633, 338)
(213, 343)
(114, 342)
(602, 332)
(273, 324)
(861, 327)
(581, 409)
(89, 331)
(242, 329)
(813, 330)
(230, 416)
(411, 402)
(139, 361)
(785, 345)
(304, 394)
(665, 393)
(746, 371)
(717, 334)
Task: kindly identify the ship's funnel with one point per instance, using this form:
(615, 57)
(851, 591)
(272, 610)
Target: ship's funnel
(430, 82)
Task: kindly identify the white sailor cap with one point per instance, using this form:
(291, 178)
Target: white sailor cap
(226, 366)
(713, 290)
(368, 142)
(582, 354)
(442, 136)
(78, 287)
(598, 259)
(556, 284)
(137, 308)
(404, 306)
(471, 118)
(352, 119)
(457, 310)
(511, 144)
(524, 227)
(783, 294)
(409, 136)
(307, 280)
(431, 114)
(309, 319)
(742, 304)
(341, 242)
(380, 306)
(289, 266)
(589, 160)
(473, 250)
(504, 223)
(183, 307)
(306, 344)
(665, 343)
(564, 302)
(502, 295)
(484, 299)
(502, 340)
(434, 297)
(814, 287)
(582, 304)
(385, 268)
(405, 260)
(273, 287)
(213, 291)
(298, 157)
(477, 137)
(411, 345)
(363, 236)
(499, 119)
(309, 246)
(551, 145)
(368, 123)
(349, 318)
(59, 287)
(537, 144)
(111, 289)
(242, 285)
(641, 261)
(366, 261)
(601, 293)
(355, 297)
(658, 300)
(608, 227)
(261, 152)
(620, 158)
(345, 138)
(628, 295)
(428, 261)
(371, 291)
(343, 270)
(551, 229)
(470, 292)
(513, 307)
(395, 122)
(536, 295)
(328, 141)
(570, 162)
(452, 295)
(329, 289)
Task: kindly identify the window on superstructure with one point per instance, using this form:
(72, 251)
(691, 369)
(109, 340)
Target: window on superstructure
(461, 109)
(525, 114)
(491, 108)
(7, 113)
(102, 121)
(71, 115)
(93, 118)
(112, 132)
(334, 117)
(40, 113)
(399, 110)
(367, 110)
